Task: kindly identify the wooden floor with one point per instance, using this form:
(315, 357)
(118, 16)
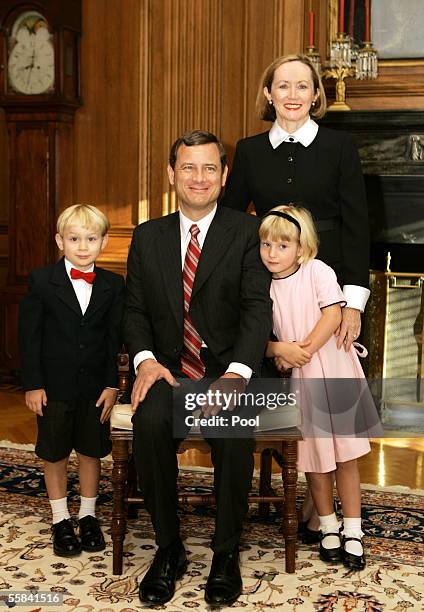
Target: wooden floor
(395, 461)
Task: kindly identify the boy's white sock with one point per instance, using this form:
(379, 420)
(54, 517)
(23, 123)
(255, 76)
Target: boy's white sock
(352, 529)
(59, 509)
(329, 524)
(87, 507)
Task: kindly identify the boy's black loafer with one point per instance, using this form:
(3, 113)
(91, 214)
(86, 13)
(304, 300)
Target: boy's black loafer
(91, 535)
(65, 542)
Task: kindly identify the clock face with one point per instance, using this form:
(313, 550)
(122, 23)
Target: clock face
(31, 55)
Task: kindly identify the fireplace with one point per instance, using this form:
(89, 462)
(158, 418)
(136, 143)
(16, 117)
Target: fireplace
(391, 147)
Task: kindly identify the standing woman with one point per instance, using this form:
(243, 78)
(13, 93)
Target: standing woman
(299, 161)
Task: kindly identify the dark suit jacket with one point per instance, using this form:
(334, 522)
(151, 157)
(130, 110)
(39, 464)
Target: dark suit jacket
(63, 351)
(326, 176)
(230, 304)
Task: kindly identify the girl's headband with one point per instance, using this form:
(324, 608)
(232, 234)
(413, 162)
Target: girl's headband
(284, 215)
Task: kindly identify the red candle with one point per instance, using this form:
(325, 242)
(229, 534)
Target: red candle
(341, 15)
(367, 21)
(311, 28)
(351, 18)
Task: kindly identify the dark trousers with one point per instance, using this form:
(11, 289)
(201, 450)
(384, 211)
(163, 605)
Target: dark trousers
(155, 449)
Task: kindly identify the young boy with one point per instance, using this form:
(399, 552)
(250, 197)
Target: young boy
(69, 334)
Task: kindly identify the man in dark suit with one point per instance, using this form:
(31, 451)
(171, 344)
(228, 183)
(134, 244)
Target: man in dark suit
(197, 306)
(69, 335)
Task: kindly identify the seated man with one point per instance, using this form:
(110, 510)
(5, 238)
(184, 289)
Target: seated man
(197, 306)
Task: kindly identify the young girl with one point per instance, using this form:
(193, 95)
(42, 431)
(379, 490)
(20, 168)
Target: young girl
(307, 304)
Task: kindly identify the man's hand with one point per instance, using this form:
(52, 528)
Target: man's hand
(148, 372)
(35, 400)
(229, 383)
(349, 329)
(108, 397)
(281, 364)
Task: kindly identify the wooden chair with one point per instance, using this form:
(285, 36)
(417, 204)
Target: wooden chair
(282, 446)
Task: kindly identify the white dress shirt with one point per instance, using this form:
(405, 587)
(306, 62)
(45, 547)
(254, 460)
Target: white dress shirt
(82, 290)
(203, 225)
(356, 296)
(81, 287)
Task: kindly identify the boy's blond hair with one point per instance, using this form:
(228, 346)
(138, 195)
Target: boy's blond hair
(279, 229)
(85, 214)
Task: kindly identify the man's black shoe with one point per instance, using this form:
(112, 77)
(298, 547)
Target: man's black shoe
(158, 584)
(224, 583)
(91, 535)
(65, 542)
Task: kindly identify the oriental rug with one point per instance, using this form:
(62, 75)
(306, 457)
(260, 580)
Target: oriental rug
(392, 580)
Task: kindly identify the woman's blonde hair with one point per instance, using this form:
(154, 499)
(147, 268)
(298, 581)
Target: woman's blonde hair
(85, 214)
(278, 229)
(266, 111)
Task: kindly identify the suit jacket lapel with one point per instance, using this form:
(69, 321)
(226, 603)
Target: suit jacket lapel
(218, 239)
(169, 245)
(99, 294)
(64, 289)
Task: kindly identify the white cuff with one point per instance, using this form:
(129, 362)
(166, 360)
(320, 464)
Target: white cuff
(239, 368)
(356, 296)
(142, 356)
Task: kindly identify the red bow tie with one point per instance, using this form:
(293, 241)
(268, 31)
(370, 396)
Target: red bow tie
(87, 276)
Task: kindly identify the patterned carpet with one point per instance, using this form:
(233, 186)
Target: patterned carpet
(392, 580)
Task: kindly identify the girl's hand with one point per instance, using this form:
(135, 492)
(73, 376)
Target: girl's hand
(35, 400)
(294, 353)
(349, 329)
(108, 399)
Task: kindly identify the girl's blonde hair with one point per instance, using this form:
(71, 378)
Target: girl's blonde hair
(85, 214)
(279, 229)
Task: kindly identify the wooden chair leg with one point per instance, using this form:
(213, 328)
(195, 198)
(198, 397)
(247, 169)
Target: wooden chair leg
(132, 487)
(265, 481)
(119, 517)
(289, 476)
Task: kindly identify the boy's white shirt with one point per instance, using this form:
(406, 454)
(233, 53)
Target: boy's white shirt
(82, 291)
(81, 287)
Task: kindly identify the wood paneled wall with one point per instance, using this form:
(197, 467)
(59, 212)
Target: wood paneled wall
(151, 72)
(152, 69)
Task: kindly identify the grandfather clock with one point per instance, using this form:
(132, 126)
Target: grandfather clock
(39, 92)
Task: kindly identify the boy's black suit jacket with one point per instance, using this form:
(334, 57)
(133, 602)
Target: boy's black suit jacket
(63, 351)
(230, 304)
(326, 177)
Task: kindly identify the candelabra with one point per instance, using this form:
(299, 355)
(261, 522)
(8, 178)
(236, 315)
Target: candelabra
(346, 58)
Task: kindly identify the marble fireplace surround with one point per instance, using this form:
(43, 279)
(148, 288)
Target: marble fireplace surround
(391, 147)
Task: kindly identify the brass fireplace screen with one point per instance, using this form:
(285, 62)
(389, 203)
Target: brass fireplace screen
(394, 334)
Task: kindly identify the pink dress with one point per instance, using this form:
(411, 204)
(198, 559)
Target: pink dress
(338, 413)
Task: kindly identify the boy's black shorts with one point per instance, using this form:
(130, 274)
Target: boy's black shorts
(73, 424)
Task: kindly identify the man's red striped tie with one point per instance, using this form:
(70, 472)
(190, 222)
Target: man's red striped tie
(191, 364)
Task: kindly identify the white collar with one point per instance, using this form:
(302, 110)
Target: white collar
(305, 134)
(203, 223)
(68, 267)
